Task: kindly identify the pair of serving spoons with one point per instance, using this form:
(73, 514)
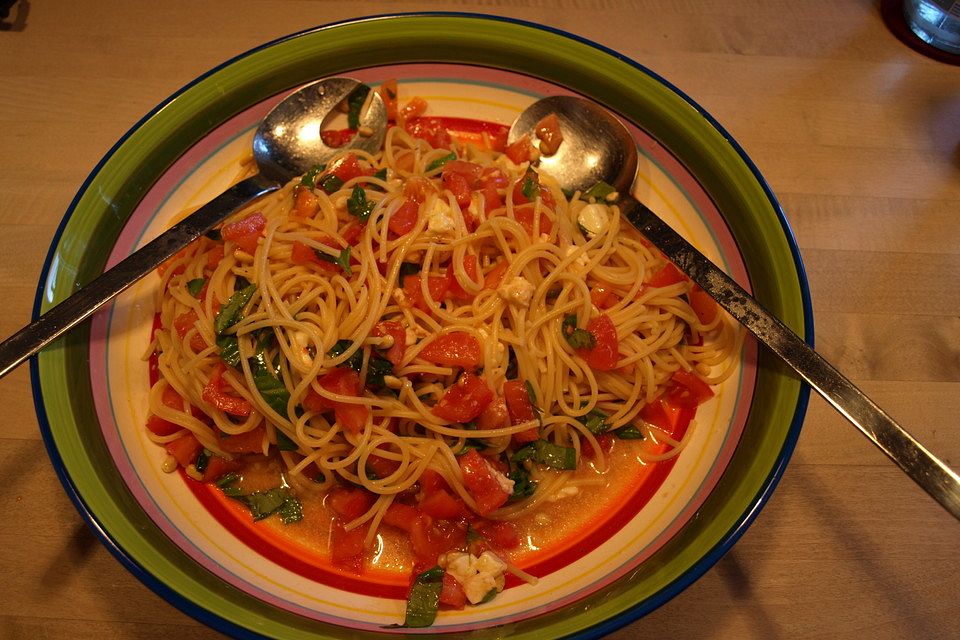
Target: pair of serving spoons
(286, 145)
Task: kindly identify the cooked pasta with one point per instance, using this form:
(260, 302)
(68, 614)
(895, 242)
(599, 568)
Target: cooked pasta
(441, 313)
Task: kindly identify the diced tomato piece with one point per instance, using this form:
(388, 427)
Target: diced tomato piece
(401, 516)
(688, 390)
(518, 402)
(520, 150)
(347, 168)
(168, 263)
(217, 467)
(672, 418)
(351, 416)
(431, 537)
(441, 504)
(160, 427)
(436, 285)
(602, 296)
(457, 184)
(405, 218)
(471, 267)
(351, 235)
(431, 481)
(185, 449)
(246, 232)
(452, 594)
(417, 188)
(183, 323)
(500, 534)
(396, 331)
(528, 217)
(430, 129)
(415, 106)
(350, 502)
(246, 442)
(454, 349)
(606, 350)
(666, 275)
(336, 138)
(214, 256)
(605, 440)
(703, 305)
(346, 382)
(381, 467)
(172, 399)
(548, 131)
(388, 93)
(305, 203)
(465, 400)
(493, 278)
(495, 415)
(216, 394)
(480, 480)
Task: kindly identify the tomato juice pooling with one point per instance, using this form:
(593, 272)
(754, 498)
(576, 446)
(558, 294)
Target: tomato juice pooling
(429, 371)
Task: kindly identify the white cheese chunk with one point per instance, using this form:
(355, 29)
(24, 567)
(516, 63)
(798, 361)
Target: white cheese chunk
(477, 576)
(518, 291)
(440, 217)
(594, 218)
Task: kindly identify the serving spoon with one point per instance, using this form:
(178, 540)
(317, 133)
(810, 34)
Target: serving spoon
(597, 147)
(286, 144)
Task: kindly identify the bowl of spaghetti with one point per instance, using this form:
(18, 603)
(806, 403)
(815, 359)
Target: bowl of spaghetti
(425, 388)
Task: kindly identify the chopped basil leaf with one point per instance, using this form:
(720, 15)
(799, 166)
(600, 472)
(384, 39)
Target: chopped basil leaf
(227, 480)
(513, 367)
(424, 599)
(331, 183)
(215, 235)
(310, 177)
(599, 191)
(342, 260)
(284, 443)
(629, 432)
(265, 503)
(439, 162)
(357, 204)
(576, 337)
(381, 174)
(231, 313)
(407, 269)
(202, 459)
(548, 454)
(273, 390)
(490, 596)
(523, 486)
(240, 283)
(377, 368)
(354, 362)
(355, 104)
(595, 421)
(532, 395)
(195, 286)
(530, 187)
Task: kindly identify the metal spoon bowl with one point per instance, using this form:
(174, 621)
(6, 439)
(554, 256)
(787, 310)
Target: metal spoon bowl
(596, 146)
(287, 143)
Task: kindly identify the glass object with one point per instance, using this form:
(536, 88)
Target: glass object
(936, 22)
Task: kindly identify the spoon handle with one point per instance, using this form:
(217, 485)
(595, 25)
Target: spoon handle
(938, 480)
(82, 304)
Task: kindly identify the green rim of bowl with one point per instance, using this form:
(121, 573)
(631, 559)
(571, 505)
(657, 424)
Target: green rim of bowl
(60, 375)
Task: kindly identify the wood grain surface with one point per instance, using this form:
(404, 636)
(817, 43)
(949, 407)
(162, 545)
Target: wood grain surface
(857, 135)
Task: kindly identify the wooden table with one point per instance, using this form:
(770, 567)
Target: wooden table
(858, 136)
